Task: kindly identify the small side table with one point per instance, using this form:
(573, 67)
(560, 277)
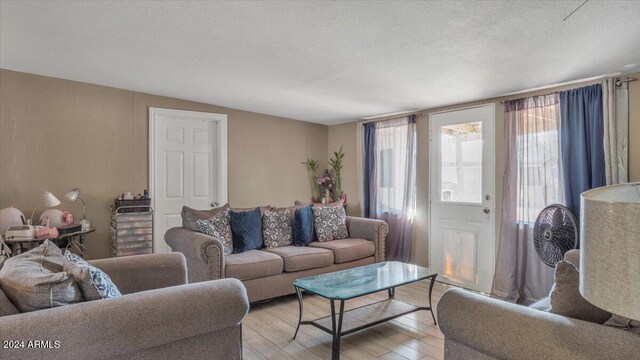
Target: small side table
(74, 240)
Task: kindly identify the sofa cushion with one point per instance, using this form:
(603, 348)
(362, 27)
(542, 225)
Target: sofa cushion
(191, 216)
(330, 223)
(6, 306)
(346, 250)
(252, 264)
(246, 227)
(276, 228)
(35, 280)
(94, 283)
(219, 227)
(303, 231)
(298, 258)
(566, 299)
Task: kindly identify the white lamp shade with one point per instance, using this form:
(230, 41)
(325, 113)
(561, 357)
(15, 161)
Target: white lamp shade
(610, 248)
(72, 195)
(50, 200)
(10, 216)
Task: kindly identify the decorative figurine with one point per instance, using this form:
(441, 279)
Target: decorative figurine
(67, 218)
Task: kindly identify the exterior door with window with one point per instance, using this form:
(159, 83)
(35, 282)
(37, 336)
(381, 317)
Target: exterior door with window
(462, 183)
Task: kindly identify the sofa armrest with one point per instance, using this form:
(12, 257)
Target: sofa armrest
(145, 272)
(200, 250)
(116, 327)
(504, 330)
(369, 229)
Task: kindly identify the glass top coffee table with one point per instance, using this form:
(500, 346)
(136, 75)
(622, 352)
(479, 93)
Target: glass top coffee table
(348, 284)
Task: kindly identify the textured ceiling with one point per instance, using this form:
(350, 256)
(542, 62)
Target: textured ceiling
(325, 62)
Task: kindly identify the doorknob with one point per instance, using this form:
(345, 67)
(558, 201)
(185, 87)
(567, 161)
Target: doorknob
(486, 210)
(214, 204)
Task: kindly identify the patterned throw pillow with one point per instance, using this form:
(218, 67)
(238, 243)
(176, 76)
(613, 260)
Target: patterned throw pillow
(276, 228)
(191, 216)
(330, 223)
(246, 227)
(303, 231)
(219, 227)
(93, 282)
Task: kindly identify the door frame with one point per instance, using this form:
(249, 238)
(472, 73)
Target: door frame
(221, 150)
(433, 157)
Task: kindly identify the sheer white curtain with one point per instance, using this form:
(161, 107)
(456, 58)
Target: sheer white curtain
(532, 181)
(392, 195)
(615, 107)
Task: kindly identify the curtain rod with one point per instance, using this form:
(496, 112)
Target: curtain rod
(618, 84)
(629, 79)
(426, 111)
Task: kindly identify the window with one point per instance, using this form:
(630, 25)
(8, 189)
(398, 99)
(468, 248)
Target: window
(461, 167)
(539, 174)
(395, 167)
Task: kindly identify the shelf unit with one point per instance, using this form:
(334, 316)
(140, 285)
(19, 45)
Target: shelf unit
(131, 232)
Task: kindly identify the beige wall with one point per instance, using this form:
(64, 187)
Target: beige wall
(346, 134)
(57, 134)
(343, 135)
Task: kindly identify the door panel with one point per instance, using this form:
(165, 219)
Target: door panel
(185, 168)
(201, 174)
(174, 172)
(462, 184)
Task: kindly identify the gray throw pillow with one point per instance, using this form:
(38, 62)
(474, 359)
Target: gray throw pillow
(624, 323)
(566, 299)
(191, 216)
(277, 229)
(330, 223)
(94, 283)
(35, 280)
(219, 227)
(6, 306)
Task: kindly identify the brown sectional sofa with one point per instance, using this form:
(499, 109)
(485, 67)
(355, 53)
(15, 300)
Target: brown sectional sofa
(269, 273)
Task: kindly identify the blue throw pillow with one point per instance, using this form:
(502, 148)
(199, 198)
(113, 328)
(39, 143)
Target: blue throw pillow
(246, 228)
(303, 230)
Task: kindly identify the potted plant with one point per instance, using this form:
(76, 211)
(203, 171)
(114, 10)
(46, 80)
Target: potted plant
(336, 168)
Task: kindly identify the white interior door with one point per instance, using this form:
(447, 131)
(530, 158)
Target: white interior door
(462, 183)
(188, 165)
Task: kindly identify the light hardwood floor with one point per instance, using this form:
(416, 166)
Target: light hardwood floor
(269, 328)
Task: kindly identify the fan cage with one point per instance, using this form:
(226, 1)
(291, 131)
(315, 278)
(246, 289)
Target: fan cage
(555, 232)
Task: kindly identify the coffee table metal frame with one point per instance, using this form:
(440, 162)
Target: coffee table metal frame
(337, 317)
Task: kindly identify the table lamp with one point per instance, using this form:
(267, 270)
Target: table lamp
(610, 248)
(48, 200)
(73, 195)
